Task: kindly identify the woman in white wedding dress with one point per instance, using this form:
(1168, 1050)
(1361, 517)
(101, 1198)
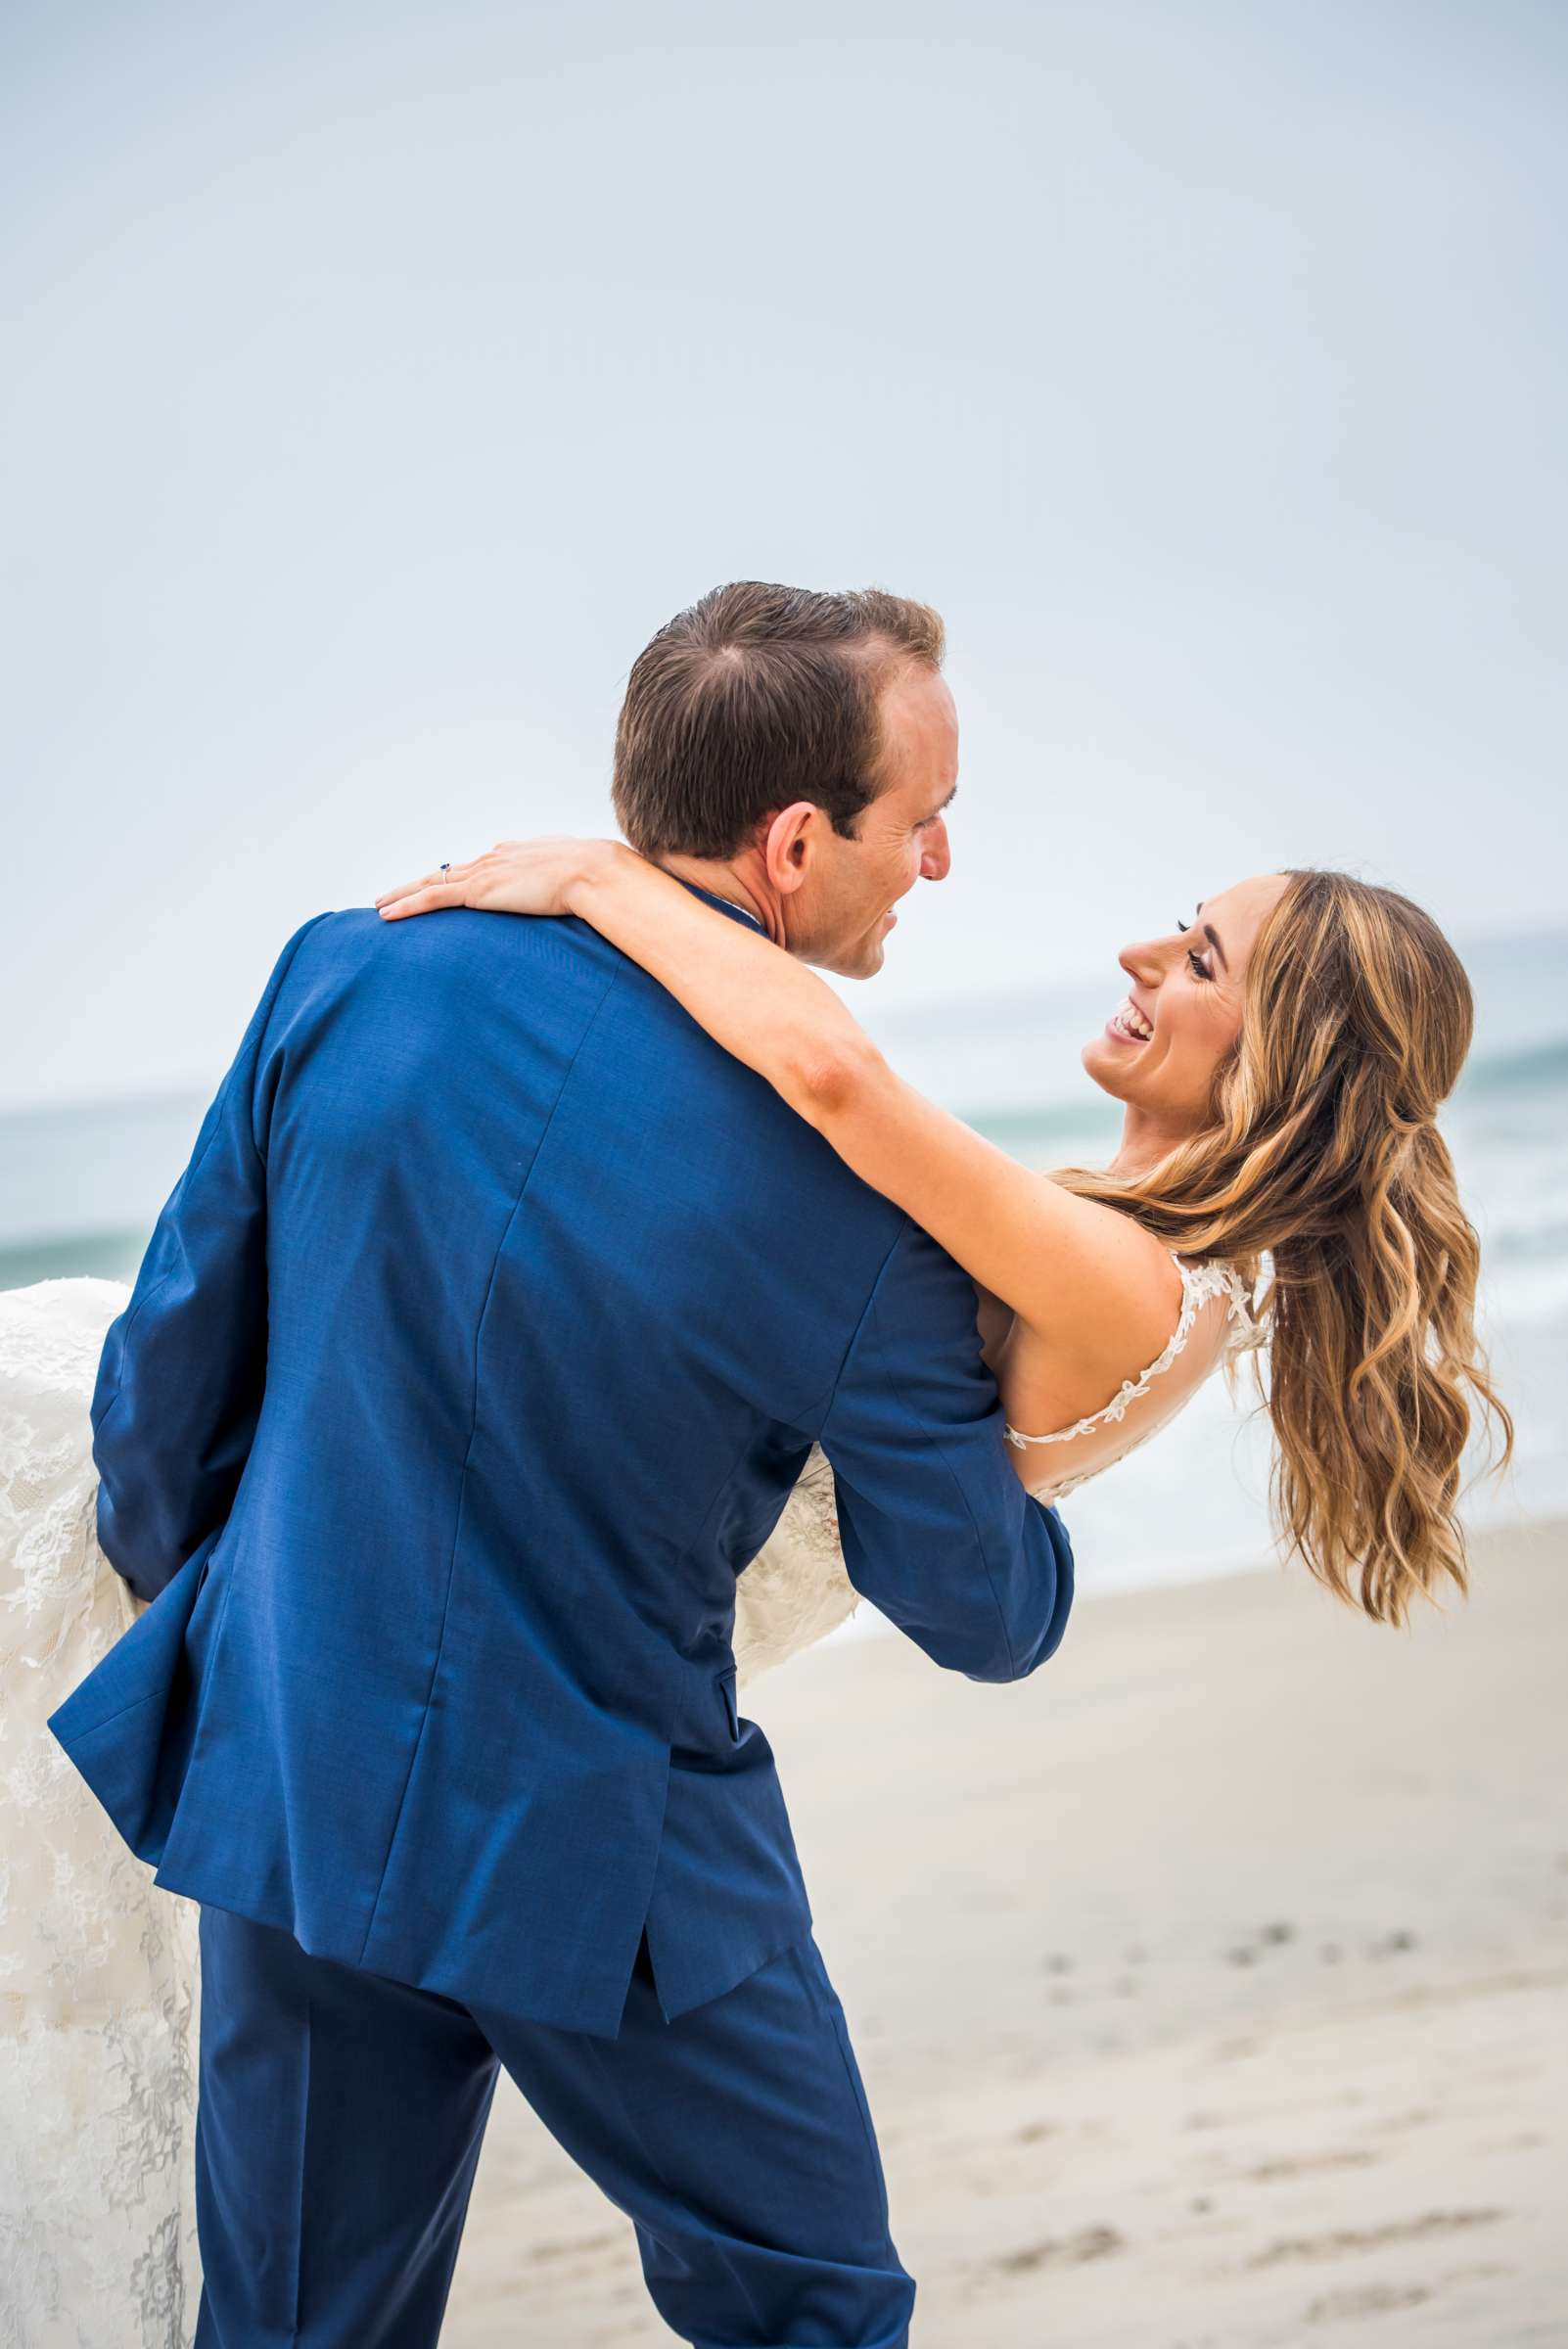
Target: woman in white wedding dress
(1280, 1074)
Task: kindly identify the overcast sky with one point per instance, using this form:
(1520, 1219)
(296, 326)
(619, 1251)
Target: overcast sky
(379, 378)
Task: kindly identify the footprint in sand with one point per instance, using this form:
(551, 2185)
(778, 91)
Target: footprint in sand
(1266, 2173)
(591, 2243)
(1376, 2300)
(1392, 2121)
(1345, 2240)
(1278, 1936)
(1060, 2252)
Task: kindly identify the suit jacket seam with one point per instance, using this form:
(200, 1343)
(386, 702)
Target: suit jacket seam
(934, 1440)
(261, 1041)
(132, 1705)
(196, 1165)
(824, 1410)
(796, 1421)
(939, 1448)
(611, 985)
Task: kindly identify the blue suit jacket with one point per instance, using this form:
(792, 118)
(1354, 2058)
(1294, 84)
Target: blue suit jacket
(472, 1358)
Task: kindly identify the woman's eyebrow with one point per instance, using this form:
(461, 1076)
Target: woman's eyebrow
(1213, 937)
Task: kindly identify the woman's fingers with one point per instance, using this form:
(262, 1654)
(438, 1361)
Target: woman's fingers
(516, 875)
(450, 876)
(406, 889)
(420, 901)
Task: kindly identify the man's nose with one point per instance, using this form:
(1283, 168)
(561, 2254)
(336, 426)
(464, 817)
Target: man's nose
(935, 858)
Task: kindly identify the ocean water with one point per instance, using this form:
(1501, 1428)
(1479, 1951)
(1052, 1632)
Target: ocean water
(80, 1187)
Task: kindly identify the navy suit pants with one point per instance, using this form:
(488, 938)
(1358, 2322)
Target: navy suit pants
(342, 2114)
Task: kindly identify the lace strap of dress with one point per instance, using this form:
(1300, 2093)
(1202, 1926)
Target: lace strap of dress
(1199, 1283)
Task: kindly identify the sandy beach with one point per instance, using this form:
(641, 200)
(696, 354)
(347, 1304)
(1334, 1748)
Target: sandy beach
(1208, 1986)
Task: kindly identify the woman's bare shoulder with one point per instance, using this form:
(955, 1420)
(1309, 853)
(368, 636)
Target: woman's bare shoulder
(1107, 1307)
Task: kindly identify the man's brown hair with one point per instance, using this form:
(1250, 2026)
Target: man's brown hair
(754, 698)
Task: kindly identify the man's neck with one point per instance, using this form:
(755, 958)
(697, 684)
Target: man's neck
(742, 879)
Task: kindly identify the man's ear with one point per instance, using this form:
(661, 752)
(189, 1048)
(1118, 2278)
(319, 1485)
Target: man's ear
(788, 845)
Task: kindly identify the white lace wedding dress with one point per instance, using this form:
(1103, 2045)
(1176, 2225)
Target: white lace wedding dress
(98, 1970)
(98, 1974)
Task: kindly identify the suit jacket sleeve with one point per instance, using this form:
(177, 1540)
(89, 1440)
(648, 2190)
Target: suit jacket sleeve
(937, 1530)
(179, 1384)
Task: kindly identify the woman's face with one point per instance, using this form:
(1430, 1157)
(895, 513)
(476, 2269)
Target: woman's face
(1182, 1012)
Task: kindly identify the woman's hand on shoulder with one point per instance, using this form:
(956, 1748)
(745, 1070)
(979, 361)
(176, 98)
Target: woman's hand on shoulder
(516, 875)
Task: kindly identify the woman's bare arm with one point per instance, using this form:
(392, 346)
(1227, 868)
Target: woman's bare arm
(1092, 1292)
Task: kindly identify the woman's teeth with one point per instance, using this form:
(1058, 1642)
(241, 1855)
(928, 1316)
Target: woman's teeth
(1130, 1023)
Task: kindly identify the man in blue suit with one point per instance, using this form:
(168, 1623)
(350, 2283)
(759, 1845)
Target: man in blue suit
(471, 1359)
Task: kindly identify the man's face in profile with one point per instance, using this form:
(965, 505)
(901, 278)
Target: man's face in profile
(841, 916)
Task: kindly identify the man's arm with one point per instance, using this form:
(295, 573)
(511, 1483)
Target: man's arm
(180, 1381)
(938, 1532)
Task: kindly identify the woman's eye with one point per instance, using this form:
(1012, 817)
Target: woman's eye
(1194, 963)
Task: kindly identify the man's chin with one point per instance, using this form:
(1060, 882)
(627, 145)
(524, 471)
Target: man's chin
(850, 958)
(863, 963)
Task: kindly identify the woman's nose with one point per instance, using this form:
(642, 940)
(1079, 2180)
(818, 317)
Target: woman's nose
(1143, 962)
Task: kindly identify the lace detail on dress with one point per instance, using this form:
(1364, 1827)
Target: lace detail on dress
(795, 1590)
(98, 1971)
(1199, 1284)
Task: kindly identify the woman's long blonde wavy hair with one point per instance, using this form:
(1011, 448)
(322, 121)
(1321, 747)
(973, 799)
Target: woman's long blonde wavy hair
(1323, 1157)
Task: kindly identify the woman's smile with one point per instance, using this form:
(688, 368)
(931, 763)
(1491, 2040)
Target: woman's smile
(1127, 1025)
